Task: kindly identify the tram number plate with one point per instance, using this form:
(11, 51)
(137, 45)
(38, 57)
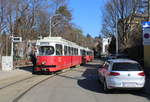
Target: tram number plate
(43, 69)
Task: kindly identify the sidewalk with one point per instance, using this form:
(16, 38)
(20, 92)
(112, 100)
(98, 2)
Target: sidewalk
(15, 72)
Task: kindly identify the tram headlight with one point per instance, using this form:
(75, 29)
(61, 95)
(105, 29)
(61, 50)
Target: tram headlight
(43, 62)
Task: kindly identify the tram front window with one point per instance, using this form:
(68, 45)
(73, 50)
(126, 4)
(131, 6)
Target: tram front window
(46, 50)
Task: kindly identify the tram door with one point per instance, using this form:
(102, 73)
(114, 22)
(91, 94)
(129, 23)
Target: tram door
(59, 54)
(83, 54)
(67, 57)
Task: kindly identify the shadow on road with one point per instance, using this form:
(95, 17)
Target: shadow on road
(91, 66)
(26, 68)
(91, 82)
(29, 69)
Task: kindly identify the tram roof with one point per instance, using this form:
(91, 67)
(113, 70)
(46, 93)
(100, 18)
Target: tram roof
(62, 41)
(57, 40)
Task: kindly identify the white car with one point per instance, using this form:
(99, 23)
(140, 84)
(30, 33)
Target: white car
(121, 73)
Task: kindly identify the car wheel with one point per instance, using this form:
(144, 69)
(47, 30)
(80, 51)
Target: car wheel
(105, 87)
(142, 90)
(99, 80)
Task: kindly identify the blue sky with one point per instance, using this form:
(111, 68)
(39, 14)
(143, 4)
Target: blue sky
(87, 14)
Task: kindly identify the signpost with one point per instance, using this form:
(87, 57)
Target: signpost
(14, 39)
(146, 43)
(7, 61)
(146, 33)
(17, 39)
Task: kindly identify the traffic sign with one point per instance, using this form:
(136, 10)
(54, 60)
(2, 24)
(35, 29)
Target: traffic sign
(146, 33)
(17, 39)
(146, 24)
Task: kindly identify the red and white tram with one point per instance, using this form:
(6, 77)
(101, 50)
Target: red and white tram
(56, 53)
(87, 55)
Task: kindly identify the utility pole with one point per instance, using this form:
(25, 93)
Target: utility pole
(6, 46)
(50, 28)
(117, 35)
(12, 45)
(148, 9)
(12, 49)
(50, 22)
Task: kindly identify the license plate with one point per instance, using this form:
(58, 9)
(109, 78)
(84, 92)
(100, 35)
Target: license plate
(129, 84)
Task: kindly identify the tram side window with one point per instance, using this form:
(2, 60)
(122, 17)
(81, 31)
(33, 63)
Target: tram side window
(91, 53)
(84, 53)
(88, 53)
(65, 50)
(46, 50)
(81, 52)
(77, 52)
(74, 51)
(69, 49)
(58, 49)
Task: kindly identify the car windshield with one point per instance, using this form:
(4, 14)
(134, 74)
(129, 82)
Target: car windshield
(46, 50)
(126, 67)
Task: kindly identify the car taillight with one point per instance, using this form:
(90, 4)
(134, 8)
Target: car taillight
(141, 74)
(114, 74)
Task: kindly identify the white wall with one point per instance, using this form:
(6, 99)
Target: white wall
(105, 44)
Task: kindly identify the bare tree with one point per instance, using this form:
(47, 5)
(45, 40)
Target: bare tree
(124, 11)
(30, 18)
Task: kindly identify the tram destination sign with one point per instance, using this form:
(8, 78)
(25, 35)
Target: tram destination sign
(44, 43)
(146, 33)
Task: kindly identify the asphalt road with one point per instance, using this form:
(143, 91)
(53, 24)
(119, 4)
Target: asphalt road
(79, 85)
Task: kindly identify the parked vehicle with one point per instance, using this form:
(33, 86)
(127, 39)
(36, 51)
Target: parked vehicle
(122, 74)
(56, 53)
(115, 56)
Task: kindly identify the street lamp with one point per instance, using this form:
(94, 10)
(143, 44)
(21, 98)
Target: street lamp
(50, 29)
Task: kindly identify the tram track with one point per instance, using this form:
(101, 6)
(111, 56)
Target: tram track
(18, 81)
(27, 90)
(21, 95)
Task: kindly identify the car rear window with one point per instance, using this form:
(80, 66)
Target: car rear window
(126, 67)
